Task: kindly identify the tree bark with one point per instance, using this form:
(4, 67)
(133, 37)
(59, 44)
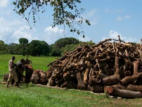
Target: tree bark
(134, 77)
(113, 78)
(122, 92)
(134, 87)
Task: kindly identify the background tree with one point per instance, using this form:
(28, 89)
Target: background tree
(66, 41)
(37, 48)
(63, 45)
(3, 47)
(70, 46)
(45, 48)
(1, 42)
(65, 12)
(54, 50)
(13, 48)
(23, 44)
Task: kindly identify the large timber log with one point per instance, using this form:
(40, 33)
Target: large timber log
(134, 87)
(130, 79)
(124, 93)
(113, 79)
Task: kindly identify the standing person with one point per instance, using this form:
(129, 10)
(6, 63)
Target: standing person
(12, 72)
(20, 69)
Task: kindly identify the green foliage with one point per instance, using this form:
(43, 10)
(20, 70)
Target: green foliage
(66, 41)
(13, 48)
(54, 51)
(24, 45)
(23, 41)
(63, 45)
(37, 48)
(65, 12)
(57, 49)
(69, 48)
(1, 42)
(87, 43)
(3, 47)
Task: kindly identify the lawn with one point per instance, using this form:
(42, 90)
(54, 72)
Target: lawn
(37, 62)
(36, 96)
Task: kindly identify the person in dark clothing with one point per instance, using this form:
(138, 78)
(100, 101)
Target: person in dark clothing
(20, 69)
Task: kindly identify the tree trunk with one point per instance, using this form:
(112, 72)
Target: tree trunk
(134, 87)
(122, 92)
(134, 77)
(113, 78)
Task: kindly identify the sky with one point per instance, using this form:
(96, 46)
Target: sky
(108, 18)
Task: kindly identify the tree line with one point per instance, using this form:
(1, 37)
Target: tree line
(41, 48)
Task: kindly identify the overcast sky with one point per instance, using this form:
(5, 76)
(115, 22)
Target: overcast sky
(108, 18)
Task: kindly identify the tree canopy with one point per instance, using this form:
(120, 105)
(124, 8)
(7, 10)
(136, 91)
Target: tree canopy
(65, 12)
(23, 44)
(37, 48)
(66, 41)
(23, 41)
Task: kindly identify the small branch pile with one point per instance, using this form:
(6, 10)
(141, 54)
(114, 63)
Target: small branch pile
(111, 66)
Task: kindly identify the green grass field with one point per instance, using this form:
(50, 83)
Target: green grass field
(36, 96)
(37, 62)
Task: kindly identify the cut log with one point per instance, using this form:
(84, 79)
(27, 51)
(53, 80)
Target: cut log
(134, 77)
(136, 66)
(130, 79)
(96, 88)
(119, 86)
(80, 84)
(110, 80)
(43, 78)
(48, 73)
(113, 79)
(35, 78)
(134, 87)
(122, 92)
(86, 75)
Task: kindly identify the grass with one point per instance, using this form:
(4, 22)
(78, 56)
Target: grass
(35, 96)
(37, 62)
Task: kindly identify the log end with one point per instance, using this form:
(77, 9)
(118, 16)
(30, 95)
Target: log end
(108, 90)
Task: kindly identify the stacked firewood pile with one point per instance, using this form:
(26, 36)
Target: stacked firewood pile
(111, 66)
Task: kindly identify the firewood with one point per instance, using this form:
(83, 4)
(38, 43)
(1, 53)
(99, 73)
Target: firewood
(80, 84)
(124, 93)
(130, 79)
(43, 77)
(86, 76)
(113, 78)
(134, 77)
(134, 87)
(35, 78)
(119, 86)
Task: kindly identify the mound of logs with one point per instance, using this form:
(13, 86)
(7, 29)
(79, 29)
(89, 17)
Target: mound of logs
(111, 66)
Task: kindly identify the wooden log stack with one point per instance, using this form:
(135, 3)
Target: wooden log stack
(111, 66)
